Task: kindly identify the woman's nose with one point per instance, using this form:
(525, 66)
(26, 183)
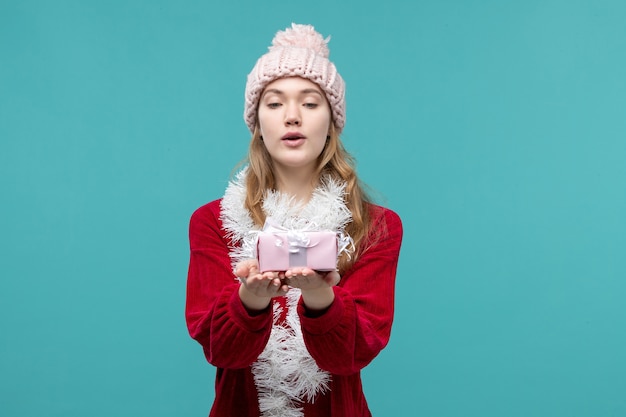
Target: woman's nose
(292, 116)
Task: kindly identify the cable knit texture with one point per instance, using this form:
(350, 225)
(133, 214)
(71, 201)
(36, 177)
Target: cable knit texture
(298, 51)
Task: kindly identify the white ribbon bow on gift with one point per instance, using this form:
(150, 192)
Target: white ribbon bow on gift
(298, 238)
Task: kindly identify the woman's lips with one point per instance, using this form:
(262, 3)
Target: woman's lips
(292, 136)
(293, 139)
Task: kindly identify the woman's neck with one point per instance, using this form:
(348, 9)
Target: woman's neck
(297, 183)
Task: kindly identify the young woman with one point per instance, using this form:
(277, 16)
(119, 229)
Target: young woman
(292, 343)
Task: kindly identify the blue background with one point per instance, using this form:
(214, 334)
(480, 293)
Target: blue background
(496, 129)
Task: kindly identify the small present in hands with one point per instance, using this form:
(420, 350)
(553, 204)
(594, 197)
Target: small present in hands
(280, 250)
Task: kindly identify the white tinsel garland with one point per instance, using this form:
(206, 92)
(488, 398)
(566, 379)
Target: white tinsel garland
(285, 374)
(326, 210)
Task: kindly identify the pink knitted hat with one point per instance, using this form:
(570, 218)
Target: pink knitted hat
(298, 51)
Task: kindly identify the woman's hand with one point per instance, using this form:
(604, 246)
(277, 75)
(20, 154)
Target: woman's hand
(257, 289)
(317, 288)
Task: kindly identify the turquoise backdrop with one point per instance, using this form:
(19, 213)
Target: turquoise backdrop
(496, 129)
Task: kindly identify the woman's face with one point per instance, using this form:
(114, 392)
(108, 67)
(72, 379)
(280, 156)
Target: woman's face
(294, 121)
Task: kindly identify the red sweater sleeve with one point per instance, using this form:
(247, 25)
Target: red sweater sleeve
(216, 318)
(357, 326)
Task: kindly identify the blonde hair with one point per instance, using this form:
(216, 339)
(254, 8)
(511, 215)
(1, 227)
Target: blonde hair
(334, 161)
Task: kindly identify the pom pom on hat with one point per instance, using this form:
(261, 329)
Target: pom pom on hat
(302, 36)
(298, 51)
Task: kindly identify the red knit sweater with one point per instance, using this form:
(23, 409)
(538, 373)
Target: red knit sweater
(343, 340)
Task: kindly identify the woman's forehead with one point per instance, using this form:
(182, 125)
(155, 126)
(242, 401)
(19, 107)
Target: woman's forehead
(292, 84)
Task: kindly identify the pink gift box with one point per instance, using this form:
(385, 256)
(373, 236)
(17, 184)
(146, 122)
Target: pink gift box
(280, 251)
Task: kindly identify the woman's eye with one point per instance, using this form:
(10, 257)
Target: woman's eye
(273, 105)
(310, 105)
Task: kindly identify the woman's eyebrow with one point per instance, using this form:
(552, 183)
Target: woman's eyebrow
(302, 92)
(310, 90)
(273, 90)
